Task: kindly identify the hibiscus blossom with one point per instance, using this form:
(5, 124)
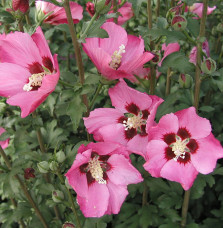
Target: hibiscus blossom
(100, 175)
(181, 146)
(4, 143)
(129, 122)
(119, 55)
(28, 72)
(197, 8)
(58, 15)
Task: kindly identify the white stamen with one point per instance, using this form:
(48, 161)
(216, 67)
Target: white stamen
(116, 57)
(96, 170)
(179, 148)
(134, 122)
(34, 80)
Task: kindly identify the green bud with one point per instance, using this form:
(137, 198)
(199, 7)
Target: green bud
(220, 27)
(60, 156)
(39, 15)
(43, 166)
(67, 184)
(57, 196)
(54, 166)
(68, 225)
(208, 66)
(185, 81)
(214, 31)
(179, 23)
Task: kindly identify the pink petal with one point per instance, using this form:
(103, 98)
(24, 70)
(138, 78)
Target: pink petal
(138, 145)
(12, 79)
(197, 126)
(185, 174)
(41, 43)
(117, 37)
(101, 117)
(138, 62)
(4, 144)
(95, 204)
(122, 172)
(170, 48)
(167, 124)
(113, 133)
(27, 101)
(122, 95)
(155, 157)
(198, 8)
(117, 195)
(205, 158)
(19, 48)
(126, 13)
(134, 49)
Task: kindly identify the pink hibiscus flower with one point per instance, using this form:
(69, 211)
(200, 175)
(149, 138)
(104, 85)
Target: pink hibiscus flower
(58, 15)
(4, 144)
(119, 55)
(129, 122)
(181, 146)
(28, 72)
(193, 53)
(197, 8)
(100, 175)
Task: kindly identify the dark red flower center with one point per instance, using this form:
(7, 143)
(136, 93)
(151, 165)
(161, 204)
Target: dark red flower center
(134, 121)
(96, 168)
(29, 173)
(180, 146)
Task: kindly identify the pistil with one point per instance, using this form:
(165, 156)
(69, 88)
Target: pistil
(179, 148)
(35, 80)
(116, 57)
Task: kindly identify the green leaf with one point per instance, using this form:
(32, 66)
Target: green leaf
(193, 26)
(206, 109)
(178, 62)
(136, 5)
(4, 136)
(6, 17)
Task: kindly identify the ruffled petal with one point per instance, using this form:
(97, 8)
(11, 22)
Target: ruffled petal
(205, 158)
(184, 174)
(122, 172)
(155, 157)
(117, 195)
(95, 203)
(12, 79)
(117, 37)
(19, 48)
(197, 126)
(121, 95)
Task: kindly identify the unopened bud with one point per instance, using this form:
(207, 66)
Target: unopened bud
(29, 173)
(220, 27)
(68, 225)
(185, 81)
(54, 166)
(173, 11)
(179, 23)
(43, 166)
(90, 8)
(22, 5)
(60, 156)
(156, 58)
(57, 196)
(208, 66)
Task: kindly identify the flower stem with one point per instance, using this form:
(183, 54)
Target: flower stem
(152, 69)
(95, 96)
(189, 38)
(24, 189)
(196, 99)
(168, 81)
(77, 49)
(70, 198)
(115, 8)
(158, 9)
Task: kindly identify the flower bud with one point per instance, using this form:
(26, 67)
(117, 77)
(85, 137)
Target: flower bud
(185, 81)
(156, 58)
(208, 66)
(22, 5)
(67, 184)
(179, 23)
(68, 225)
(90, 8)
(43, 166)
(220, 27)
(60, 156)
(173, 11)
(57, 196)
(29, 173)
(54, 166)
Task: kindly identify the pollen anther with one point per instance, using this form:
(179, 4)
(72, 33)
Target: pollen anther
(134, 122)
(179, 148)
(35, 80)
(116, 57)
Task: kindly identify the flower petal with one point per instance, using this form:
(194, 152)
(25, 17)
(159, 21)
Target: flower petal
(197, 126)
(185, 174)
(205, 158)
